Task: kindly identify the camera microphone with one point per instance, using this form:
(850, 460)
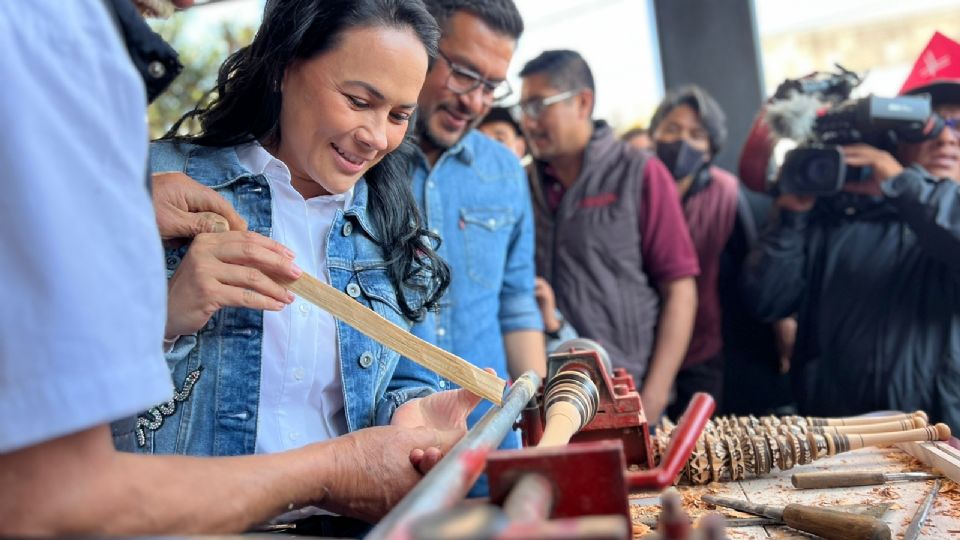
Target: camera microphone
(793, 118)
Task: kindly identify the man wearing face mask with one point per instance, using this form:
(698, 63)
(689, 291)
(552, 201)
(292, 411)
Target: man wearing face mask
(689, 129)
(611, 239)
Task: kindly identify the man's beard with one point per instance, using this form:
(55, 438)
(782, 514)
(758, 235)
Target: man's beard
(426, 135)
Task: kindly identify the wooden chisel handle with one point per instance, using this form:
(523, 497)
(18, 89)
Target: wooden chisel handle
(833, 524)
(821, 480)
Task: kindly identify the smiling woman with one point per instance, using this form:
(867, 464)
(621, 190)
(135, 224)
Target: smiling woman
(306, 138)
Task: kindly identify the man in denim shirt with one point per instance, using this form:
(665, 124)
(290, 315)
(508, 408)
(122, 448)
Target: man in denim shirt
(473, 193)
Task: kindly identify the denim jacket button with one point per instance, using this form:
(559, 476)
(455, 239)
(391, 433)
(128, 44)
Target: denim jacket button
(443, 383)
(353, 290)
(366, 360)
(347, 228)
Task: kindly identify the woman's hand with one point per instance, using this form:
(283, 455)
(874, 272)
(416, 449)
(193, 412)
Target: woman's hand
(230, 269)
(443, 411)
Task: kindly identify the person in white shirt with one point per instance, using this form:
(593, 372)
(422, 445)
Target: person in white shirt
(80, 339)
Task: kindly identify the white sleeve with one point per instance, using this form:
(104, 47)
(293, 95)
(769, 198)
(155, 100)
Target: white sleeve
(81, 326)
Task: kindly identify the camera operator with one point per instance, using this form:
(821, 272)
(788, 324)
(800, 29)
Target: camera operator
(874, 273)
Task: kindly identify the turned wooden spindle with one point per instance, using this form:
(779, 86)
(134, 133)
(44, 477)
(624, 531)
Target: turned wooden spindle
(906, 424)
(570, 402)
(861, 420)
(939, 432)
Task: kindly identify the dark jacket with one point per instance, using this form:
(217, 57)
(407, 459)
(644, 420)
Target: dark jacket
(876, 287)
(589, 251)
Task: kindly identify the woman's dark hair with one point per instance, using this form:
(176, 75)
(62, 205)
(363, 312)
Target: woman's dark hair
(708, 110)
(246, 108)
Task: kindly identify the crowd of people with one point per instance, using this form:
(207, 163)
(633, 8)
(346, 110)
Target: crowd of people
(157, 377)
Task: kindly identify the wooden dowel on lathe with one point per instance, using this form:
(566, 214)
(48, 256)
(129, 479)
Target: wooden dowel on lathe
(371, 324)
(570, 402)
(562, 421)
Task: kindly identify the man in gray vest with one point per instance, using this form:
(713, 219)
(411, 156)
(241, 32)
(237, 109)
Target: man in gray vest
(611, 236)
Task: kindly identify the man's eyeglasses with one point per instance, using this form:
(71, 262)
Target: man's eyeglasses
(534, 108)
(463, 80)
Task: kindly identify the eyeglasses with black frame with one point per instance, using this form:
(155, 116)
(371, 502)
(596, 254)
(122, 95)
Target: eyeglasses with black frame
(534, 108)
(463, 80)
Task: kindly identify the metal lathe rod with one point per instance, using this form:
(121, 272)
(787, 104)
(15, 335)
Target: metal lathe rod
(451, 479)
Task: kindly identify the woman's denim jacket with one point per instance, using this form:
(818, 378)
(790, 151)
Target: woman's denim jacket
(216, 372)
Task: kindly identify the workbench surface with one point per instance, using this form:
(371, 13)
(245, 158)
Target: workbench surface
(905, 497)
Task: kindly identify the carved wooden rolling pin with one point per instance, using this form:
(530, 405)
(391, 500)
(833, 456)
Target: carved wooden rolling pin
(372, 325)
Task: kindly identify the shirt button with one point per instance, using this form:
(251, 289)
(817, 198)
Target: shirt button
(304, 308)
(347, 229)
(850, 211)
(443, 383)
(173, 261)
(430, 184)
(353, 290)
(492, 222)
(293, 435)
(298, 374)
(441, 331)
(366, 360)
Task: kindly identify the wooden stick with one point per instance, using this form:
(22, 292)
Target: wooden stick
(860, 420)
(914, 422)
(939, 432)
(371, 324)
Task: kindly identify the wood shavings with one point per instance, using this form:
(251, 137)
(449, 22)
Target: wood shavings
(887, 492)
(949, 495)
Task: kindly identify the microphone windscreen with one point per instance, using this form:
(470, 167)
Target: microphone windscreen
(794, 117)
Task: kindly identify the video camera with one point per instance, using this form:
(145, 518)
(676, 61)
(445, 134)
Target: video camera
(816, 113)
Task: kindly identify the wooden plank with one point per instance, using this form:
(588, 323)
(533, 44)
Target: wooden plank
(371, 324)
(939, 455)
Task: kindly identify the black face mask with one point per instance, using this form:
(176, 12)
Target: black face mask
(681, 159)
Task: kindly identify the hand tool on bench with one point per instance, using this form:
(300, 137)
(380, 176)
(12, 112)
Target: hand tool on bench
(824, 522)
(874, 510)
(913, 530)
(834, 479)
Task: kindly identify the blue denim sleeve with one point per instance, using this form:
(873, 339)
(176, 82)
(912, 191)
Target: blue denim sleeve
(166, 157)
(518, 306)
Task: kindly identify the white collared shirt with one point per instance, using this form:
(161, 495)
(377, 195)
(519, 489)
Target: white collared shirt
(301, 393)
